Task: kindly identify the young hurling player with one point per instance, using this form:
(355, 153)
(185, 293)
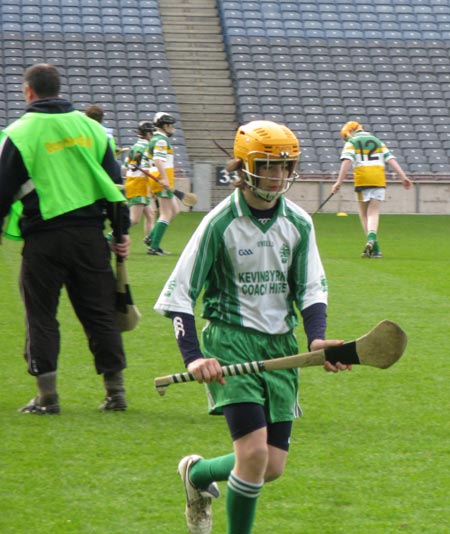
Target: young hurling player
(368, 155)
(137, 186)
(161, 153)
(255, 256)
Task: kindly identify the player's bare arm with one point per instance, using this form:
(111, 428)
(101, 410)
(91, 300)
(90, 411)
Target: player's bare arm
(395, 166)
(343, 171)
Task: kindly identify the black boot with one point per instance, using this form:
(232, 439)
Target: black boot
(46, 401)
(115, 392)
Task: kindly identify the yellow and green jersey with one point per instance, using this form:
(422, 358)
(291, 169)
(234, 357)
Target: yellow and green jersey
(137, 183)
(161, 149)
(369, 156)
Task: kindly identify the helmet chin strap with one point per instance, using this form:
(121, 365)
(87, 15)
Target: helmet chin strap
(261, 195)
(267, 196)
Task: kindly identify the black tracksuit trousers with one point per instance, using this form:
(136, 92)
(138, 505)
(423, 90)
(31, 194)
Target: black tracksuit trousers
(79, 259)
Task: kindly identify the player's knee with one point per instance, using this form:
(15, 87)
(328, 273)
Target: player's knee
(273, 472)
(256, 454)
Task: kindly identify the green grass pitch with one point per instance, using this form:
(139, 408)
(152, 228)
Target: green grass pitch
(370, 455)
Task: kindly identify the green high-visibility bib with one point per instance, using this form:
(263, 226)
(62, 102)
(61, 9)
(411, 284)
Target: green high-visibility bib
(62, 154)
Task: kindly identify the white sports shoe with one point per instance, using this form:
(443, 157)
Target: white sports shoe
(366, 253)
(198, 502)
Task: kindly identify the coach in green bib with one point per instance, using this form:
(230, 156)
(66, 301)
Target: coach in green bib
(47, 157)
(58, 182)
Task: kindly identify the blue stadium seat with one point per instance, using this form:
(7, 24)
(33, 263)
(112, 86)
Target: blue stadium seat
(305, 55)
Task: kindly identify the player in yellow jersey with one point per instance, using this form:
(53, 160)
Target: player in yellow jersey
(137, 184)
(161, 153)
(368, 156)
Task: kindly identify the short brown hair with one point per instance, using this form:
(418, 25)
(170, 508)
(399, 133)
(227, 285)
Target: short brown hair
(234, 169)
(44, 79)
(95, 112)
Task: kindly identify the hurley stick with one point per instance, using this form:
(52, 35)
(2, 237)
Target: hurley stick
(381, 347)
(127, 313)
(224, 150)
(322, 204)
(188, 199)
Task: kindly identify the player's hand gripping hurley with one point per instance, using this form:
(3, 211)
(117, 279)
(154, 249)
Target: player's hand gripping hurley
(381, 347)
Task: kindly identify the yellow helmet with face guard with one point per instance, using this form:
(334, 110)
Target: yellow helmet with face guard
(266, 143)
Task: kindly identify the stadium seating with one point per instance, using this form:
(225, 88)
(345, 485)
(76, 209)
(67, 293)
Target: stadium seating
(384, 63)
(110, 53)
(310, 64)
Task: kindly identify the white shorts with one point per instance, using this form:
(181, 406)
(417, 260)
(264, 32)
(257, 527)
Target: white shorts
(373, 193)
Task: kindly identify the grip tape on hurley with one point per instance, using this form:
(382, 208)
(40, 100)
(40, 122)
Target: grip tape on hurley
(345, 354)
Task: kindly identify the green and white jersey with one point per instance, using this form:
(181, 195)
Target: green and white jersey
(251, 273)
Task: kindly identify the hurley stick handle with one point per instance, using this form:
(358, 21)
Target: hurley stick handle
(163, 382)
(299, 360)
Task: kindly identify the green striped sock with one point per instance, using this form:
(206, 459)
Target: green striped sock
(242, 498)
(158, 232)
(204, 472)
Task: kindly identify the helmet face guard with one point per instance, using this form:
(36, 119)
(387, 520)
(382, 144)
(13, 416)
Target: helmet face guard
(262, 146)
(257, 169)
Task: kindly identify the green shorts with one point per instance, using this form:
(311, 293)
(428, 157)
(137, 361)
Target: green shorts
(276, 391)
(135, 201)
(165, 193)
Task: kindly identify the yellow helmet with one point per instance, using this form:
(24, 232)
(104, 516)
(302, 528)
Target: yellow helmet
(264, 143)
(351, 126)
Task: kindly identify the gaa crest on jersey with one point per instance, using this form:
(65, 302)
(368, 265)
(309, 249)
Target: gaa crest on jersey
(284, 253)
